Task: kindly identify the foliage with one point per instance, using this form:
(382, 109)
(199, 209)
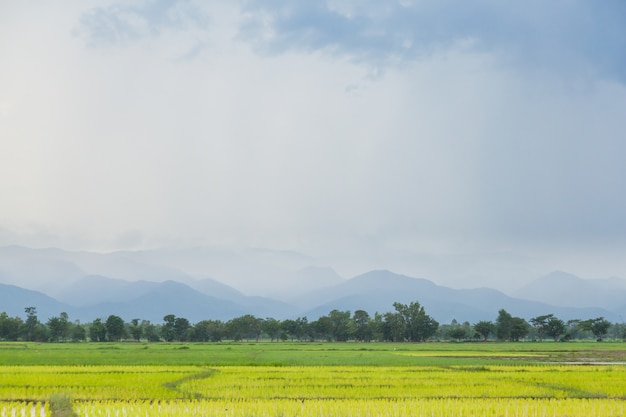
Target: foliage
(407, 323)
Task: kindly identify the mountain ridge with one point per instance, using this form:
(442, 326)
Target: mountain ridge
(74, 282)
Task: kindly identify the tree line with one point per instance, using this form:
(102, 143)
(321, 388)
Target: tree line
(407, 323)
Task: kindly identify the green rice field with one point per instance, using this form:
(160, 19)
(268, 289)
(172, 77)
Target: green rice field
(313, 379)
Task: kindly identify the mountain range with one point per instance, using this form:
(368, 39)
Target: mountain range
(151, 284)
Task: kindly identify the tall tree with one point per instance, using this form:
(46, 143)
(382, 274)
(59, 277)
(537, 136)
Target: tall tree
(484, 328)
(9, 327)
(150, 331)
(340, 325)
(393, 327)
(182, 328)
(114, 328)
(541, 324)
(271, 327)
(136, 331)
(167, 330)
(97, 331)
(555, 328)
(362, 328)
(503, 325)
(419, 325)
(519, 329)
(31, 324)
(598, 326)
(58, 327)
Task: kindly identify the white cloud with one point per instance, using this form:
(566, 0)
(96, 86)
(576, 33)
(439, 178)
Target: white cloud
(341, 130)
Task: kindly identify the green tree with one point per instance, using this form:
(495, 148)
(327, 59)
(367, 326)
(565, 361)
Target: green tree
(555, 328)
(540, 323)
(182, 329)
(244, 327)
(340, 325)
(58, 327)
(503, 325)
(167, 329)
(10, 327)
(362, 327)
(322, 328)
(376, 327)
(393, 327)
(519, 329)
(31, 324)
(209, 331)
(484, 329)
(135, 329)
(78, 332)
(150, 331)
(271, 327)
(598, 326)
(419, 325)
(457, 333)
(114, 328)
(97, 331)
(290, 329)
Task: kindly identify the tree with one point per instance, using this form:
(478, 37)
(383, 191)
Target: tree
(457, 333)
(340, 325)
(393, 327)
(419, 326)
(541, 324)
(136, 331)
(9, 327)
(271, 327)
(114, 328)
(484, 328)
(376, 327)
(209, 330)
(150, 331)
(598, 326)
(182, 328)
(362, 328)
(31, 324)
(97, 331)
(58, 327)
(78, 332)
(519, 329)
(246, 326)
(167, 330)
(555, 328)
(322, 328)
(503, 325)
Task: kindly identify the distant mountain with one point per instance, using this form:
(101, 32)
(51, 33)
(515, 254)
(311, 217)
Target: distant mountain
(251, 271)
(13, 301)
(37, 269)
(305, 280)
(378, 290)
(206, 283)
(567, 290)
(96, 296)
(214, 288)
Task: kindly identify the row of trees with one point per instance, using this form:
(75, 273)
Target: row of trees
(407, 323)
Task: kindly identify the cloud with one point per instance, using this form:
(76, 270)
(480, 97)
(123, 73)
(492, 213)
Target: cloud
(373, 129)
(575, 36)
(120, 23)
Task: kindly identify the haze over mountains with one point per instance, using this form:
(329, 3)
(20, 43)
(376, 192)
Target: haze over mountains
(151, 284)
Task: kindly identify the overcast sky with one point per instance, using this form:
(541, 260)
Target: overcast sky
(389, 134)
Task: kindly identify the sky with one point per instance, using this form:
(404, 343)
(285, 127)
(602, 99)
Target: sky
(472, 142)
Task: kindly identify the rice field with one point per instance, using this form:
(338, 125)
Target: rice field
(461, 382)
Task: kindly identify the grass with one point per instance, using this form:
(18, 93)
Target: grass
(61, 406)
(312, 379)
(314, 354)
